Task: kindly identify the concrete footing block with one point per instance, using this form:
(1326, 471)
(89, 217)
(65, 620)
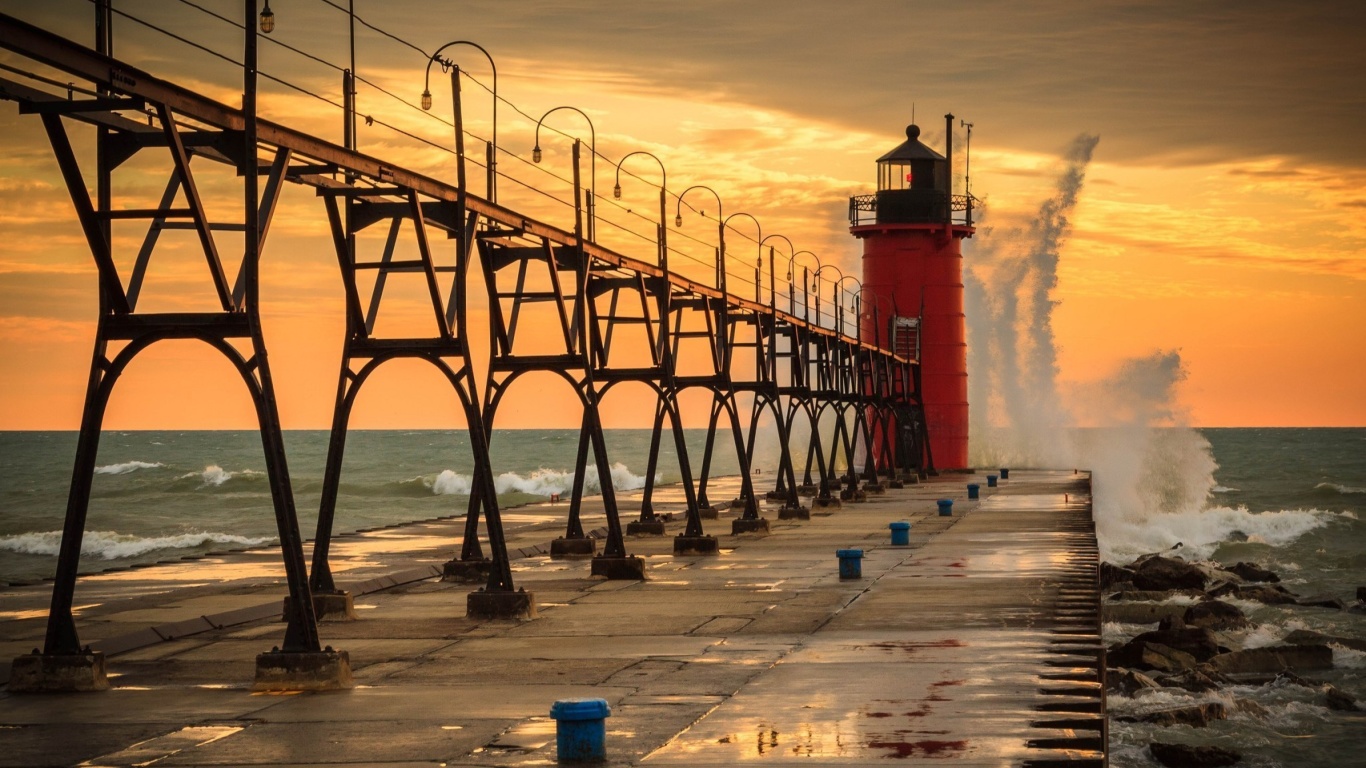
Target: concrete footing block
(738, 502)
(829, 502)
(467, 571)
(627, 567)
(710, 512)
(854, 495)
(332, 606)
(874, 489)
(895, 484)
(499, 604)
(758, 525)
(58, 673)
(776, 495)
(807, 489)
(580, 546)
(645, 528)
(794, 513)
(696, 545)
(325, 670)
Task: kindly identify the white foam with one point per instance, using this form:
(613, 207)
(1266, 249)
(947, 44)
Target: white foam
(1223, 489)
(1349, 658)
(214, 476)
(126, 467)
(1201, 531)
(541, 482)
(1340, 488)
(1268, 633)
(111, 545)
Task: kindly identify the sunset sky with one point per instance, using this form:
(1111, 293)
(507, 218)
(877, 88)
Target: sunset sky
(1223, 215)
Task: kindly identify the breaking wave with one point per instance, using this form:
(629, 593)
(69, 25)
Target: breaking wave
(215, 476)
(126, 467)
(111, 545)
(542, 482)
(1201, 531)
(1339, 488)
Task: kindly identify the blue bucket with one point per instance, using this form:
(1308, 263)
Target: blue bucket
(901, 533)
(1005, 473)
(851, 563)
(991, 481)
(580, 729)
(945, 507)
(974, 490)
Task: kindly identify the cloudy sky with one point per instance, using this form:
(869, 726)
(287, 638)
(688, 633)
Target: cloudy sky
(1223, 215)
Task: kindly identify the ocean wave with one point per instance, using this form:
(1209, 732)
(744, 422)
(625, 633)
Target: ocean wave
(215, 476)
(126, 467)
(541, 482)
(1349, 658)
(1223, 489)
(1202, 531)
(1339, 488)
(111, 545)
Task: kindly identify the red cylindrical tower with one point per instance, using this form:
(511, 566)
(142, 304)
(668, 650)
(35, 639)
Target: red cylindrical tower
(913, 263)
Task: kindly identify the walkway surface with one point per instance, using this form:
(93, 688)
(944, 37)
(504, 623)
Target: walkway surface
(974, 646)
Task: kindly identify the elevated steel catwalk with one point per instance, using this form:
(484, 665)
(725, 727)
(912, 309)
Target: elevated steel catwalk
(798, 369)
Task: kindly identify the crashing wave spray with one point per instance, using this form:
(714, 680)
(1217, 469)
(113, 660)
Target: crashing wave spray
(1144, 464)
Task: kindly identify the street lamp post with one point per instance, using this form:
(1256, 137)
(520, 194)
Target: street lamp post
(720, 232)
(772, 287)
(760, 229)
(806, 282)
(816, 286)
(839, 303)
(455, 89)
(662, 235)
(592, 168)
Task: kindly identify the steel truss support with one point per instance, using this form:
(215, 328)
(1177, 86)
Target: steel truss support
(120, 324)
(352, 209)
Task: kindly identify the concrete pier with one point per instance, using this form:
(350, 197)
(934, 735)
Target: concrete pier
(978, 642)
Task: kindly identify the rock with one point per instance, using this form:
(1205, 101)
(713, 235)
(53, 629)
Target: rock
(1186, 756)
(1198, 716)
(1153, 595)
(1195, 680)
(1271, 595)
(1145, 655)
(1159, 572)
(1310, 637)
(1341, 701)
(1168, 623)
(1274, 659)
(1322, 601)
(1140, 613)
(1216, 615)
(1128, 681)
(1253, 572)
(1111, 575)
(1361, 594)
(1196, 641)
(1250, 707)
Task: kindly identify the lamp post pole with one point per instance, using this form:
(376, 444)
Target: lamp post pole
(455, 90)
(662, 235)
(816, 286)
(592, 169)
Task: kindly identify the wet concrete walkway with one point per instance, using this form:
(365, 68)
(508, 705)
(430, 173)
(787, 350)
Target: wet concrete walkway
(976, 645)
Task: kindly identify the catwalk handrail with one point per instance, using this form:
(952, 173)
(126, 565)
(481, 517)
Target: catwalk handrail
(77, 60)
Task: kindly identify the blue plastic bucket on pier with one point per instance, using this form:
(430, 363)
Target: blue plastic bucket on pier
(1005, 473)
(851, 563)
(974, 490)
(945, 507)
(580, 729)
(991, 481)
(901, 533)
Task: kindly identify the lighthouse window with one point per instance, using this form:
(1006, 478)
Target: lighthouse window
(908, 177)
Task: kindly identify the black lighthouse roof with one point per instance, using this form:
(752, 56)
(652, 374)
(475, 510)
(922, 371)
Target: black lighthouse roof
(911, 149)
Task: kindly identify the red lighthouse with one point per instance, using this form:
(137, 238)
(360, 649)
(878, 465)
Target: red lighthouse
(912, 232)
